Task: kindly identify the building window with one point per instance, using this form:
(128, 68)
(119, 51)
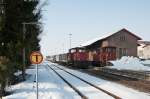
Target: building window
(123, 38)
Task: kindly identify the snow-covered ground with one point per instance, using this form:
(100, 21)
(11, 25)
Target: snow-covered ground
(117, 89)
(146, 62)
(52, 87)
(130, 63)
(87, 90)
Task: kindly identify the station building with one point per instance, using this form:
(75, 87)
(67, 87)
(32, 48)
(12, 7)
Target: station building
(120, 43)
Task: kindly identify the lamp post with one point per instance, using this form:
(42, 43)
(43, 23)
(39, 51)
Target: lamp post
(24, 33)
(24, 54)
(2, 5)
(2, 13)
(70, 38)
(63, 50)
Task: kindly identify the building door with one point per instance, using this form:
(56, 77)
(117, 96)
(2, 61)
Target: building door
(120, 52)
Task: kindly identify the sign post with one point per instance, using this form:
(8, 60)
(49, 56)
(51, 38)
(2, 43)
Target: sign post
(36, 58)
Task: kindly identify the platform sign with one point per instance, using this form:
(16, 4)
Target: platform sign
(36, 57)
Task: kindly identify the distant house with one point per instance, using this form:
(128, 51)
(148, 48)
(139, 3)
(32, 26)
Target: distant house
(122, 43)
(144, 49)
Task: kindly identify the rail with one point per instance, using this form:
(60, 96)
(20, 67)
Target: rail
(111, 94)
(139, 75)
(74, 88)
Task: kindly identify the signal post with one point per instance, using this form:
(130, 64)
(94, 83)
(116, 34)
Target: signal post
(36, 58)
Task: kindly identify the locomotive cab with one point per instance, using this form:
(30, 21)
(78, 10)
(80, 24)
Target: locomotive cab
(78, 57)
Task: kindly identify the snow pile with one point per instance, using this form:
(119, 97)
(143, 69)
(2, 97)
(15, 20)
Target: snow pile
(18, 73)
(146, 62)
(129, 63)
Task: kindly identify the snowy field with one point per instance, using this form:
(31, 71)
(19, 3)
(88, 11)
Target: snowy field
(117, 89)
(130, 63)
(52, 87)
(86, 89)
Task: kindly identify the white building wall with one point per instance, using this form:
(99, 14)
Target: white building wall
(144, 51)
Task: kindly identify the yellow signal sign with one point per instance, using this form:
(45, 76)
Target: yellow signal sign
(36, 57)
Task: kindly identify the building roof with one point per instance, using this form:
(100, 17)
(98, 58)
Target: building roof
(105, 37)
(144, 42)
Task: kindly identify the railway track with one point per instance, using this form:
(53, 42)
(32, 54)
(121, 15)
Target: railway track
(78, 91)
(117, 76)
(127, 74)
(73, 87)
(129, 81)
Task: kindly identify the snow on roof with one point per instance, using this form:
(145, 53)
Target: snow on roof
(104, 37)
(96, 39)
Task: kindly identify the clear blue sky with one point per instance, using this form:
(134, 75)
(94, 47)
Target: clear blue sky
(88, 19)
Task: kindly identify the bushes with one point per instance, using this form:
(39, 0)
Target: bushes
(4, 74)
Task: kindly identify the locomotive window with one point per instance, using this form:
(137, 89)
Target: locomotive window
(94, 52)
(81, 50)
(73, 50)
